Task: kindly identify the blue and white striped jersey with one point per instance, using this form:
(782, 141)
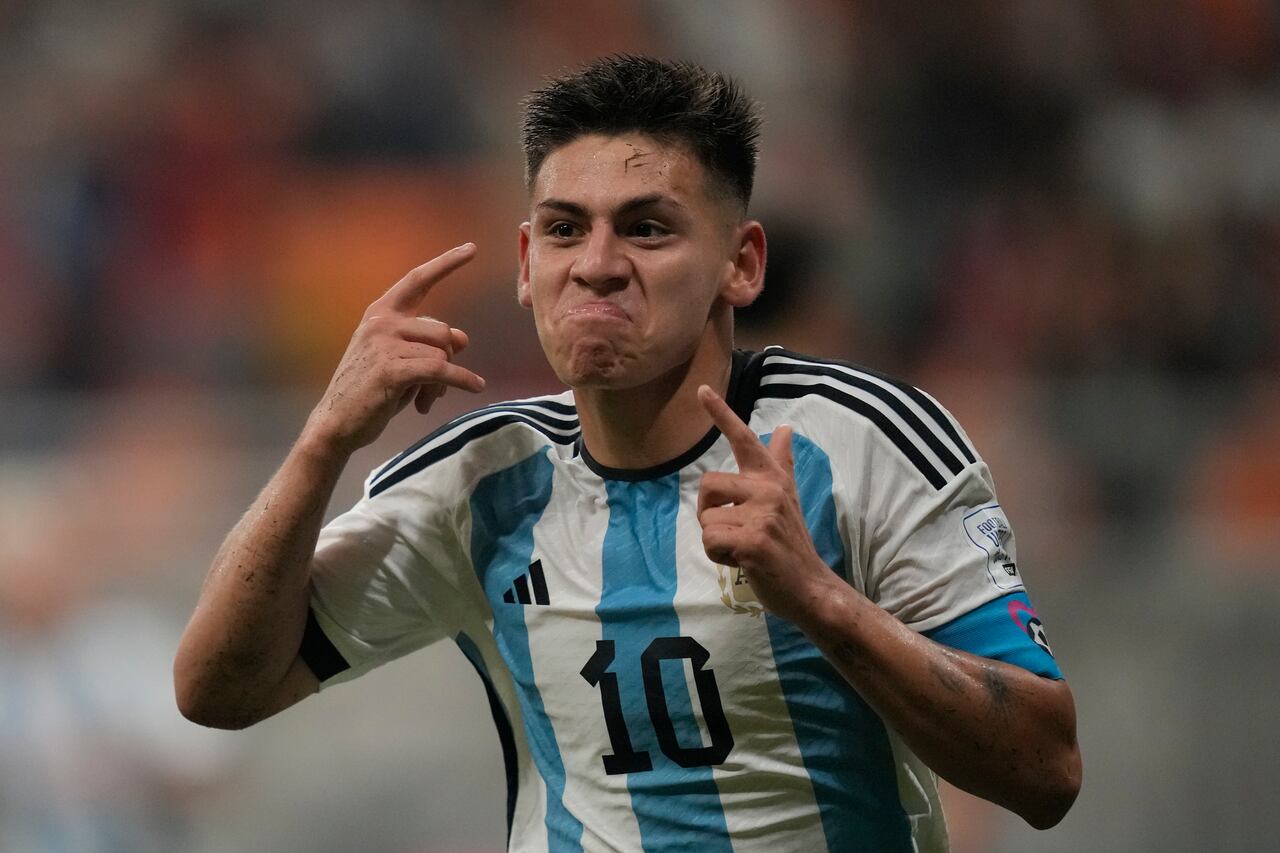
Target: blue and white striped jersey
(644, 699)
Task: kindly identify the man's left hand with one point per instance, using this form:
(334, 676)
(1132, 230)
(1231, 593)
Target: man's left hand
(753, 520)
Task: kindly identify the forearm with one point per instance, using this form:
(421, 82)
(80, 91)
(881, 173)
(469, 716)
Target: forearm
(238, 660)
(993, 729)
(244, 635)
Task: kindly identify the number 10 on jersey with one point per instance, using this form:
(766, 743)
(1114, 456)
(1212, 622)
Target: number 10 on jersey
(625, 758)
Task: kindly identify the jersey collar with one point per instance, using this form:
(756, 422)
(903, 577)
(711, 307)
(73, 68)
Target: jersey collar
(743, 382)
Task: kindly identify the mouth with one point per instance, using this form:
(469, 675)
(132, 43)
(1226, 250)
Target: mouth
(598, 309)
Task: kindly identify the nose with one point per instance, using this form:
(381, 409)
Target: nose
(602, 264)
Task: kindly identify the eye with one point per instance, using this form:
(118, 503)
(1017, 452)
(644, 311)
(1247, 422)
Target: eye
(647, 229)
(563, 230)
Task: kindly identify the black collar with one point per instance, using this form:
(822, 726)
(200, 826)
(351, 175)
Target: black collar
(744, 381)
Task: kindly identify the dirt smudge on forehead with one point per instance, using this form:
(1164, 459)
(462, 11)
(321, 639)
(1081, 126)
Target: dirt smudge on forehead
(641, 158)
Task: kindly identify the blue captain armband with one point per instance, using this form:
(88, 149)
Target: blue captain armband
(1006, 629)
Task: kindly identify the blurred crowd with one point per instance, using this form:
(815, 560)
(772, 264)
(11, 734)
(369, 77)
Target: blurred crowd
(1062, 219)
(1080, 197)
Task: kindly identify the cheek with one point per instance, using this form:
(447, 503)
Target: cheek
(542, 302)
(538, 289)
(693, 290)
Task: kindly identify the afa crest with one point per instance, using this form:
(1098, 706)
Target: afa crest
(736, 591)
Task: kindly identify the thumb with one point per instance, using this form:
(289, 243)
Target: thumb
(780, 449)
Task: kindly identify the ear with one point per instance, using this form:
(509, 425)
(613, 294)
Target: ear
(523, 296)
(746, 273)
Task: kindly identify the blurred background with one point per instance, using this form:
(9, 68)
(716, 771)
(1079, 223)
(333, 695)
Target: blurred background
(1061, 218)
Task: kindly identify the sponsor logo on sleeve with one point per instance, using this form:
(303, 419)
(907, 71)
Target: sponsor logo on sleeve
(989, 531)
(1025, 617)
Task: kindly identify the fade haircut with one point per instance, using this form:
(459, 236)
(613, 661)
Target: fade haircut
(673, 102)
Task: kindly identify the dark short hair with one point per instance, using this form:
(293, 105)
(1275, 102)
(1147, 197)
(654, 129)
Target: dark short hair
(673, 102)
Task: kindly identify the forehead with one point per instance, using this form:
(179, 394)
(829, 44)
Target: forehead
(596, 170)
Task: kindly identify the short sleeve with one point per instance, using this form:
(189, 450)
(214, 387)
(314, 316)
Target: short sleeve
(362, 615)
(944, 561)
(395, 572)
(381, 588)
(1007, 629)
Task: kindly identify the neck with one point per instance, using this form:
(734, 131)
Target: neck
(654, 423)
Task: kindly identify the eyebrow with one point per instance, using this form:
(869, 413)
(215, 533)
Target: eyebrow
(629, 206)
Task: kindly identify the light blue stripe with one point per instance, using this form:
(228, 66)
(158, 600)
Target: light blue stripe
(993, 632)
(504, 509)
(677, 808)
(842, 741)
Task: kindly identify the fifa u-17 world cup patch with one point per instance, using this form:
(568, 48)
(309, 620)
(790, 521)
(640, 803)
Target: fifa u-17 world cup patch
(989, 531)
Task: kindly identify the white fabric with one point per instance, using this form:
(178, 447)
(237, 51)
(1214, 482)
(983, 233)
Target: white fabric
(397, 572)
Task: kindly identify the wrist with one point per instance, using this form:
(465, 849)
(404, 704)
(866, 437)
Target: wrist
(327, 437)
(833, 611)
(322, 447)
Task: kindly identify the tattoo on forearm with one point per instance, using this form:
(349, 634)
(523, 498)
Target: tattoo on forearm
(950, 675)
(947, 677)
(999, 691)
(847, 655)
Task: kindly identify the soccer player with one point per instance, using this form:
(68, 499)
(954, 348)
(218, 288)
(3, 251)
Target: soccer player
(718, 599)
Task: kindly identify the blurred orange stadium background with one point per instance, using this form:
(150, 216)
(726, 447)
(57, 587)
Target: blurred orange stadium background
(1061, 219)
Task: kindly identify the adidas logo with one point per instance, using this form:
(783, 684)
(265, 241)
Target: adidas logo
(520, 589)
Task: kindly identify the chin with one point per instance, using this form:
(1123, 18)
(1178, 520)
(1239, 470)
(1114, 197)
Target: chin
(596, 365)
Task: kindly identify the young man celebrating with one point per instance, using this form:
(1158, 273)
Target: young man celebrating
(743, 601)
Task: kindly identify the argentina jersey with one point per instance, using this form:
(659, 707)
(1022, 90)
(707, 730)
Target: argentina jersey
(643, 697)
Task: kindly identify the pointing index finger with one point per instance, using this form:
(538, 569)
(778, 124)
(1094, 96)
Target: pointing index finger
(407, 293)
(746, 445)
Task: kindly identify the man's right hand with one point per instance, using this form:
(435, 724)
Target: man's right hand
(396, 355)
(238, 661)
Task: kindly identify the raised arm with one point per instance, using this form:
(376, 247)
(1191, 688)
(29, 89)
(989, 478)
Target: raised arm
(996, 730)
(238, 659)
